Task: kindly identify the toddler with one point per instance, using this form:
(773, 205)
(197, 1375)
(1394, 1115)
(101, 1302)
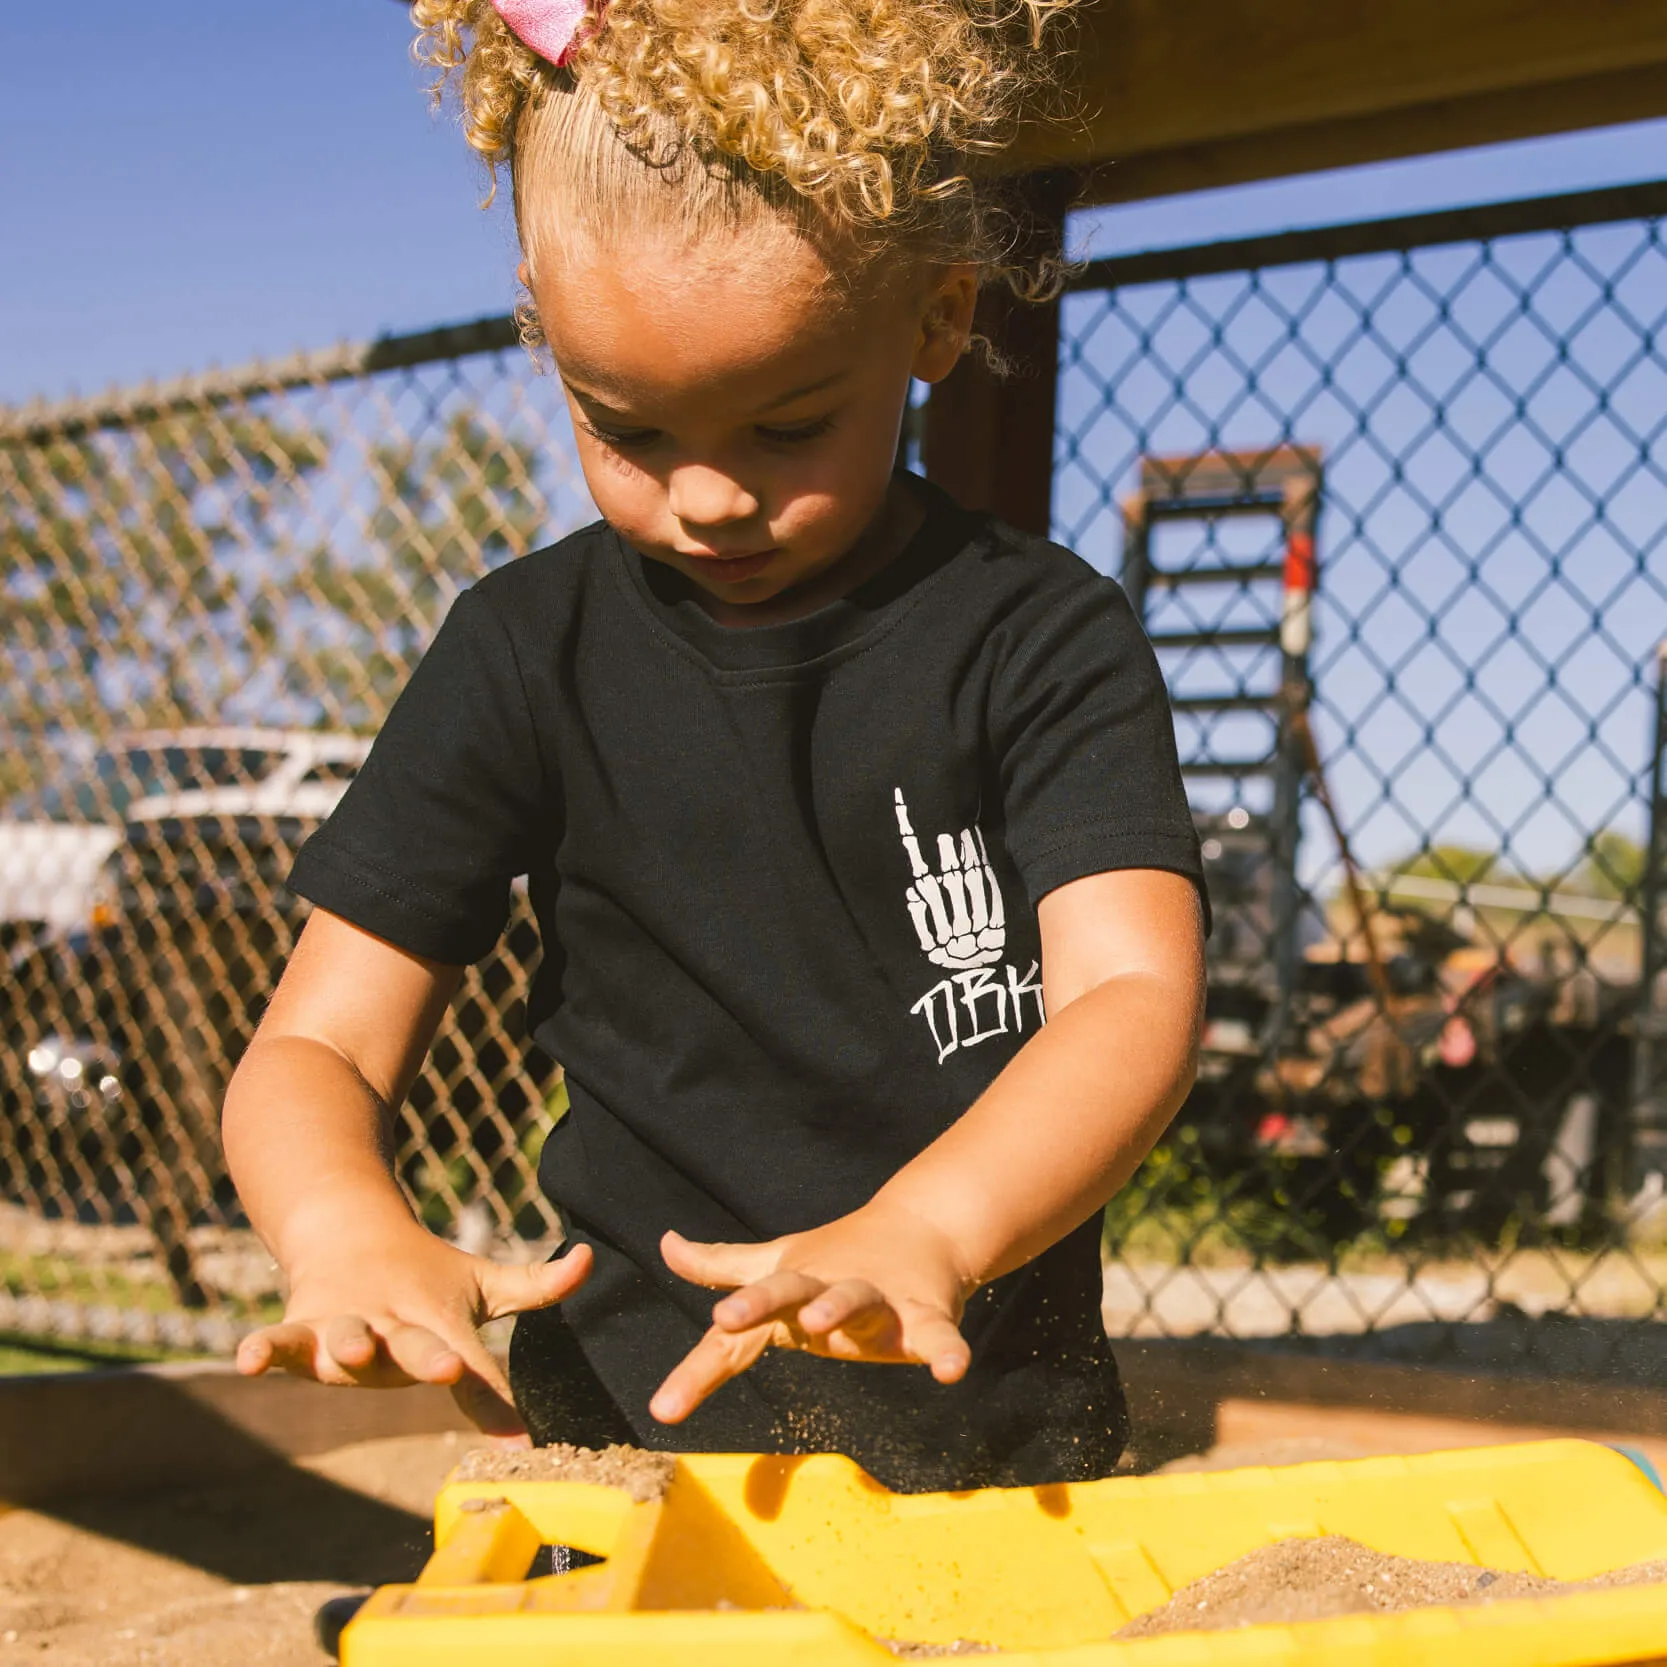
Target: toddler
(828, 792)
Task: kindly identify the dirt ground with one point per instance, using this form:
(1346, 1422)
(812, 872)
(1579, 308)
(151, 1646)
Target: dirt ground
(230, 1576)
(226, 1576)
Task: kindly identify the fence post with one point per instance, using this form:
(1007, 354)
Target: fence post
(1647, 1147)
(988, 440)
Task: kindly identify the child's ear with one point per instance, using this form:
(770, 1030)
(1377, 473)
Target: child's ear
(945, 322)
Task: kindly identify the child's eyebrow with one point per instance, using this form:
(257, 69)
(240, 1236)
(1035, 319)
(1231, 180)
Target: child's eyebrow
(780, 400)
(585, 396)
(809, 388)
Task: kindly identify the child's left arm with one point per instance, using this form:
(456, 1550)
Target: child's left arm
(1049, 1142)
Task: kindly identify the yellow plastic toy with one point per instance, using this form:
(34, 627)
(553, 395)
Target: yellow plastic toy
(753, 1561)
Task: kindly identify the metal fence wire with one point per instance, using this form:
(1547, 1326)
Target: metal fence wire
(1392, 501)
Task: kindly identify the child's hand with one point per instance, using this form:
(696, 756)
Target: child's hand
(879, 1284)
(407, 1313)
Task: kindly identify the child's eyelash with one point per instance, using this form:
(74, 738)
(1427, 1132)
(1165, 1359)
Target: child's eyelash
(629, 439)
(800, 431)
(625, 439)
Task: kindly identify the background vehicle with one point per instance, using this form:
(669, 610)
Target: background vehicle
(148, 950)
(54, 844)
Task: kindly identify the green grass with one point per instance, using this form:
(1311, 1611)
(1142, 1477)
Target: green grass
(32, 1356)
(1179, 1209)
(60, 1280)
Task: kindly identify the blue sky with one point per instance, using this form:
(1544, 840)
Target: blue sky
(201, 181)
(205, 180)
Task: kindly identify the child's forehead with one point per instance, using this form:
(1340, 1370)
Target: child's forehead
(656, 259)
(653, 317)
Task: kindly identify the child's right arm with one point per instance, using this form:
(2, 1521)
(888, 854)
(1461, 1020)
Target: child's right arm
(374, 1298)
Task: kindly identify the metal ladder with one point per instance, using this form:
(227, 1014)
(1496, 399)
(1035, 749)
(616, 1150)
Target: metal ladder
(1273, 599)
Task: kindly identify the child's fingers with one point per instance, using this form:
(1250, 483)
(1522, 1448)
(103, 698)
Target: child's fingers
(845, 1303)
(719, 1266)
(778, 1295)
(507, 1288)
(932, 1338)
(351, 1344)
(719, 1356)
(288, 1346)
(303, 1348)
(347, 1349)
(422, 1355)
(483, 1394)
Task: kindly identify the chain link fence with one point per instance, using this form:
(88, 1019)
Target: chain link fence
(214, 589)
(1392, 499)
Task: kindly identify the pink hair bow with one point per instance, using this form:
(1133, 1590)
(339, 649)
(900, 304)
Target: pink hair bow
(551, 28)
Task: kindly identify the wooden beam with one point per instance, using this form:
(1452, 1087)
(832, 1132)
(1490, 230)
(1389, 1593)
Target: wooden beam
(1179, 94)
(988, 439)
(1421, 130)
(1155, 74)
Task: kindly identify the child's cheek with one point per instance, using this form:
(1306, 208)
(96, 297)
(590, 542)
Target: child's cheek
(630, 499)
(829, 499)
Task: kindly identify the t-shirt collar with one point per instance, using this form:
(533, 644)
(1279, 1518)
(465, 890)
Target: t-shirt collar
(671, 601)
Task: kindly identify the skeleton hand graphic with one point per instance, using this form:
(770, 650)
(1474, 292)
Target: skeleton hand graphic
(958, 911)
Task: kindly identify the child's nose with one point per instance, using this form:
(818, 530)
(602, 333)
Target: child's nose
(701, 496)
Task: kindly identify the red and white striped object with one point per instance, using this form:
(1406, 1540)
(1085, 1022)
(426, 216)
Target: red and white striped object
(1296, 625)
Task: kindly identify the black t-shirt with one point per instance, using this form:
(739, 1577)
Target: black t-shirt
(786, 878)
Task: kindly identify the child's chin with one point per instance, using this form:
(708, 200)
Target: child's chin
(763, 586)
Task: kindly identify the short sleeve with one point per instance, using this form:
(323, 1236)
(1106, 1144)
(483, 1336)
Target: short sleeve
(1085, 742)
(426, 841)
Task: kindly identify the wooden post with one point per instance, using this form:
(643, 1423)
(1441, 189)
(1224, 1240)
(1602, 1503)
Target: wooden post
(988, 440)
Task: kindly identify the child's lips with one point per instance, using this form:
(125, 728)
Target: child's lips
(731, 570)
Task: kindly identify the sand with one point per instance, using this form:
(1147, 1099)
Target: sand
(924, 1652)
(1281, 1450)
(1311, 1580)
(645, 1476)
(225, 1576)
(231, 1575)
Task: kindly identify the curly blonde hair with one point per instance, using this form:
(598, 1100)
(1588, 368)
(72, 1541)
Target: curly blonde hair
(861, 123)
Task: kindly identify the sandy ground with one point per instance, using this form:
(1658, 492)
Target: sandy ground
(226, 1576)
(231, 1576)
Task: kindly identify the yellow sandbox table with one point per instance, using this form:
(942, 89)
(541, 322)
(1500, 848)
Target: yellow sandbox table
(753, 1561)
